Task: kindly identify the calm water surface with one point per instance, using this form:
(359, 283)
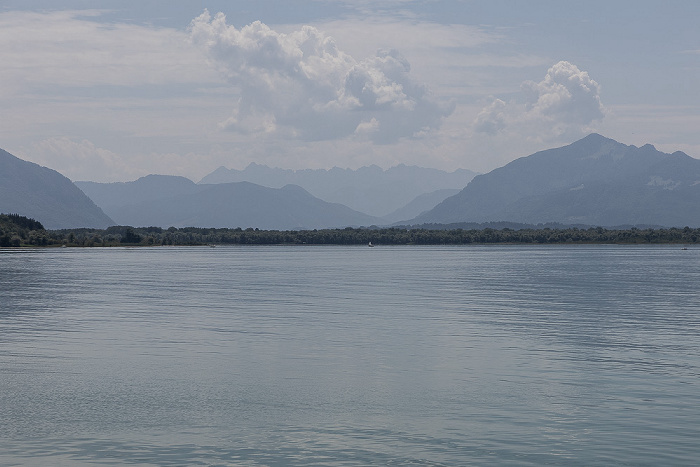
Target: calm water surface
(336, 355)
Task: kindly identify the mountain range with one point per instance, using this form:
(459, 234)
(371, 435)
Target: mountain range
(165, 201)
(371, 189)
(593, 181)
(43, 194)
(420, 204)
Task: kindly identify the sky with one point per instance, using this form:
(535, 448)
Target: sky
(112, 90)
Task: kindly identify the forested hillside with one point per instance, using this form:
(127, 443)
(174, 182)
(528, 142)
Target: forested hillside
(16, 230)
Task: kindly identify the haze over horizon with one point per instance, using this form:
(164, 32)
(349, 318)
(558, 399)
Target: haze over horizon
(112, 90)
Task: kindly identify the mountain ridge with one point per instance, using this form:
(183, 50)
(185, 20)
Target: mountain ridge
(44, 194)
(594, 181)
(369, 189)
(240, 204)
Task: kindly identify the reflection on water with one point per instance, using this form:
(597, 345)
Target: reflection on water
(349, 355)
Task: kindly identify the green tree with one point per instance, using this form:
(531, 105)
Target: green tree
(130, 236)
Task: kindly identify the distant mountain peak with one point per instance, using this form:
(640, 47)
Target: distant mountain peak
(681, 154)
(369, 189)
(595, 137)
(595, 180)
(152, 177)
(236, 204)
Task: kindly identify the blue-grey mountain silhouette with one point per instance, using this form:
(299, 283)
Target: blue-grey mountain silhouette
(168, 201)
(594, 181)
(43, 194)
(420, 204)
(371, 189)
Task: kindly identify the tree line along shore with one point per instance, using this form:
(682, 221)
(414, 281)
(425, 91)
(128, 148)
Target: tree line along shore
(19, 231)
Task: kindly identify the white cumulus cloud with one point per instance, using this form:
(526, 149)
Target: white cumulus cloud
(565, 103)
(492, 118)
(566, 94)
(302, 85)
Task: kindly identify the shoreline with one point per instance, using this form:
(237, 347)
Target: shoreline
(128, 236)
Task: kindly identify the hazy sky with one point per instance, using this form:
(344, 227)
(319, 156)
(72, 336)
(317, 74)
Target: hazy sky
(110, 90)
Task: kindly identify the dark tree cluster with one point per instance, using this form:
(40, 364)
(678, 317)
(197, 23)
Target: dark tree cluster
(16, 230)
(152, 236)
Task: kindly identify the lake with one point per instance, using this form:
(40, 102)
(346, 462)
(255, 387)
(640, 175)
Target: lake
(333, 355)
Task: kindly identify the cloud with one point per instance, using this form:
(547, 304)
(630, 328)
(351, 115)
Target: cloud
(565, 103)
(492, 118)
(75, 49)
(302, 85)
(567, 94)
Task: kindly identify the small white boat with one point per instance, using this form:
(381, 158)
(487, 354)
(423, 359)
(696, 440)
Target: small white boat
(370, 245)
